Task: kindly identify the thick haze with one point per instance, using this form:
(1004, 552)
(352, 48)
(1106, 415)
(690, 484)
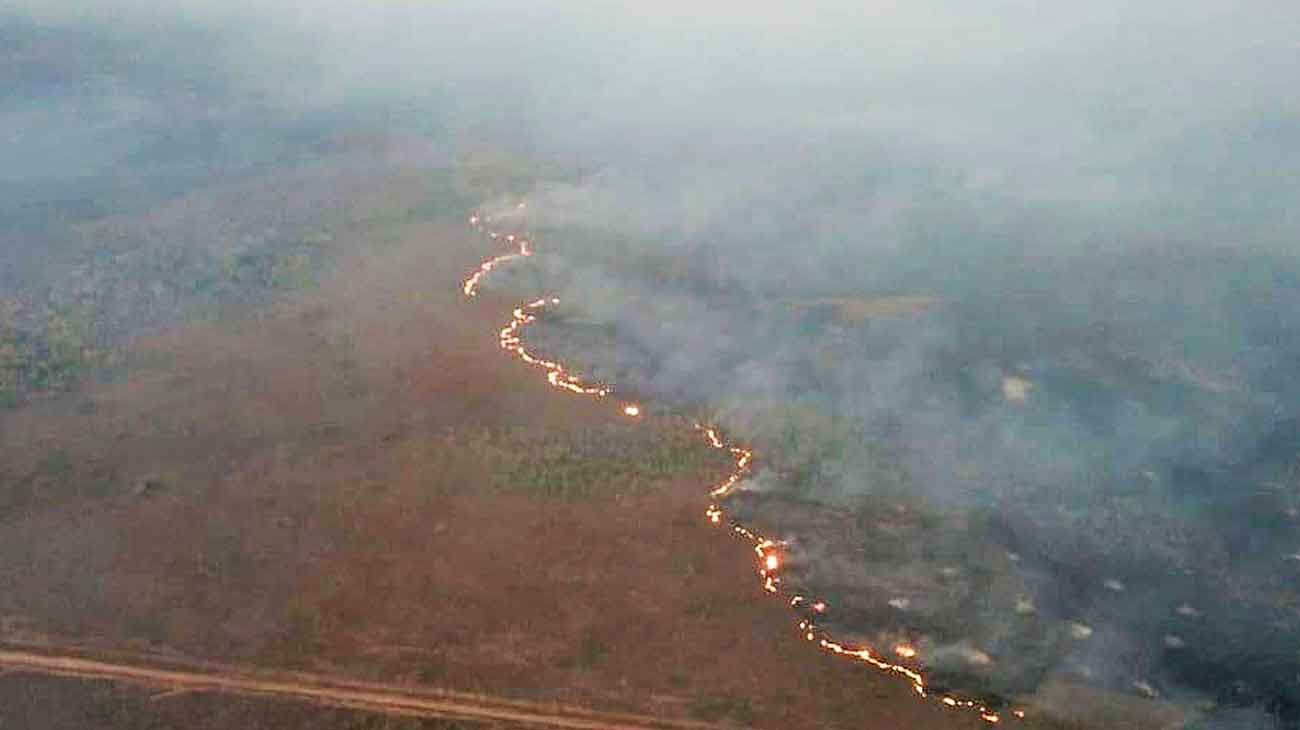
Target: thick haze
(1101, 198)
(1168, 120)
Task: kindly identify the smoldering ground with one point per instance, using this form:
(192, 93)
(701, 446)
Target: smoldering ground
(1028, 496)
(1006, 296)
(1072, 463)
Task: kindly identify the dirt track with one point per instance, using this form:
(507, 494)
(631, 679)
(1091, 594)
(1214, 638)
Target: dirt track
(387, 699)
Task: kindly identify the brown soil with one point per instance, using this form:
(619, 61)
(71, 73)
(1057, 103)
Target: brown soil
(296, 489)
(53, 703)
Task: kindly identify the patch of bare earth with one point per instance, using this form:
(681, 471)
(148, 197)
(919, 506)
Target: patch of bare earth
(320, 487)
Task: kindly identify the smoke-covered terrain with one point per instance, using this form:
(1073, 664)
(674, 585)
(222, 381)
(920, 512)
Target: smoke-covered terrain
(1007, 297)
(1084, 474)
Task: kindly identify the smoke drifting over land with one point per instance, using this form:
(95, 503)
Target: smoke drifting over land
(1072, 451)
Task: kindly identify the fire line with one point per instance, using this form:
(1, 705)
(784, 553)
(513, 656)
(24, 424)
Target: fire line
(768, 551)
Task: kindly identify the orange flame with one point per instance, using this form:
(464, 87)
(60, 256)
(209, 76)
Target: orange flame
(557, 375)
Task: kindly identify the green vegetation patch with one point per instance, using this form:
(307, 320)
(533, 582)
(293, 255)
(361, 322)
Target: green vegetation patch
(42, 351)
(591, 462)
(724, 707)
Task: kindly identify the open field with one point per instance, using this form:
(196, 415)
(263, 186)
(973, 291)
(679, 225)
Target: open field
(354, 481)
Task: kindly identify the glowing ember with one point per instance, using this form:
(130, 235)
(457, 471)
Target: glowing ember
(470, 288)
(510, 339)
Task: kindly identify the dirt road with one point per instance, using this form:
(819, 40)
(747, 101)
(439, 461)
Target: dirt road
(387, 699)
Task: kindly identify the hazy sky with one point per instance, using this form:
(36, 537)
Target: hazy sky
(1094, 105)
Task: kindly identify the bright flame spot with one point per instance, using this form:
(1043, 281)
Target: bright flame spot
(905, 651)
(772, 562)
(632, 409)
